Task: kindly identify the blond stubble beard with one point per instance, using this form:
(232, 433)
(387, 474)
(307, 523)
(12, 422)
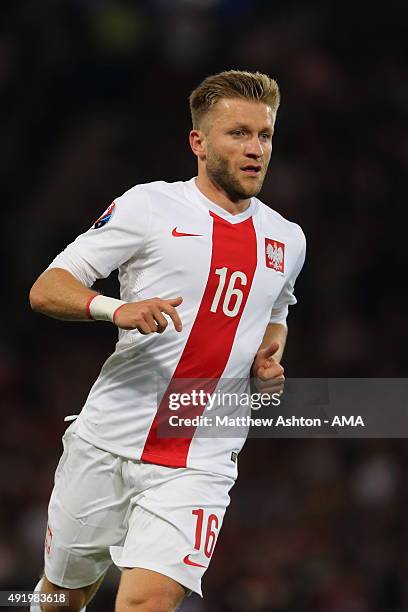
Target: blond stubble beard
(218, 171)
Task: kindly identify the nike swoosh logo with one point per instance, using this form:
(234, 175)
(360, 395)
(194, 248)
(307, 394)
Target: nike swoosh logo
(188, 561)
(177, 234)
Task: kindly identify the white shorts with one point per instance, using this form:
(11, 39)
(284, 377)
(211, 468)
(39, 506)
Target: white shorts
(104, 507)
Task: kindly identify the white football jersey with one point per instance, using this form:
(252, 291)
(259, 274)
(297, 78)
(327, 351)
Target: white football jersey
(235, 273)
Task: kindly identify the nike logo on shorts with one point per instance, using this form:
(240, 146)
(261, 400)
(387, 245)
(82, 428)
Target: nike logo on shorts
(177, 234)
(188, 561)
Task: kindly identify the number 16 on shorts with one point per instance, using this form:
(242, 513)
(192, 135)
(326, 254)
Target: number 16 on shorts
(209, 525)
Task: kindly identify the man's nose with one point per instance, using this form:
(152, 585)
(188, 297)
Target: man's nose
(254, 148)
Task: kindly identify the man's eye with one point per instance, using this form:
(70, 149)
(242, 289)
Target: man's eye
(237, 132)
(266, 136)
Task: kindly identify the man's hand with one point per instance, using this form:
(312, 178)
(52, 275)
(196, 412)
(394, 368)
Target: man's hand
(146, 316)
(267, 372)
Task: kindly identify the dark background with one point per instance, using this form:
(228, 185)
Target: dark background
(94, 100)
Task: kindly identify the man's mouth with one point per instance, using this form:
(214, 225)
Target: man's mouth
(252, 169)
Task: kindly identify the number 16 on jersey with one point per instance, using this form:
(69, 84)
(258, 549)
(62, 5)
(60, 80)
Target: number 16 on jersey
(230, 306)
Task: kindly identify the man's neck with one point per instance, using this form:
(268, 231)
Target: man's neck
(217, 195)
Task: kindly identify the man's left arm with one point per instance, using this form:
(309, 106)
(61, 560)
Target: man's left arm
(266, 370)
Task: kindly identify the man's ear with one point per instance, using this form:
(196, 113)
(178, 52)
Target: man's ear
(198, 143)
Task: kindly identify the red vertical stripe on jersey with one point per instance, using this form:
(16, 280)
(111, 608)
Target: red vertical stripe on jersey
(210, 342)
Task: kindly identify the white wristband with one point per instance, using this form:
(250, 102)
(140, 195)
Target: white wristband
(103, 308)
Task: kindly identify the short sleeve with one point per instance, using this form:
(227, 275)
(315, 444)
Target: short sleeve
(113, 239)
(287, 297)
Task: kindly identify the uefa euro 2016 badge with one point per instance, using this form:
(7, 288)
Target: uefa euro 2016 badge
(105, 218)
(275, 255)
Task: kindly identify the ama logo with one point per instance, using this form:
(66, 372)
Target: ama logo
(105, 218)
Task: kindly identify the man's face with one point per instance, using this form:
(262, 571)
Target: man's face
(238, 145)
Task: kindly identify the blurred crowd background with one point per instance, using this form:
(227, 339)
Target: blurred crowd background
(94, 100)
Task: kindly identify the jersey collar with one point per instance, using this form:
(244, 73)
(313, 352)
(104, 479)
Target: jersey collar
(203, 201)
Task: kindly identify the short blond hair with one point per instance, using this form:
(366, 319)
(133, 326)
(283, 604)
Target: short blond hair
(254, 86)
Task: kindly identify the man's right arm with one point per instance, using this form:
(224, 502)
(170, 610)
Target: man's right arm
(58, 294)
(64, 291)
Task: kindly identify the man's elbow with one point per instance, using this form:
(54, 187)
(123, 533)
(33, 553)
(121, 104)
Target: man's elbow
(37, 298)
